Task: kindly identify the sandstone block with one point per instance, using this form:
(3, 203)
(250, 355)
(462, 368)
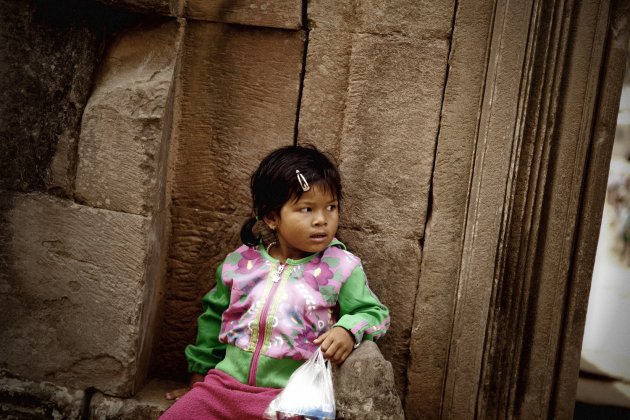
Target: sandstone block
(274, 14)
(149, 403)
(45, 80)
(239, 93)
(364, 386)
(424, 18)
(442, 247)
(199, 240)
(122, 126)
(73, 296)
(387, 144)
(377, 112)
(325, 93)
(21, 399)
(392, 266)
(239, 90)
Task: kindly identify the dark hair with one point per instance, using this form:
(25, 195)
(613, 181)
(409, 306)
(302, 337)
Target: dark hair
(275, 182)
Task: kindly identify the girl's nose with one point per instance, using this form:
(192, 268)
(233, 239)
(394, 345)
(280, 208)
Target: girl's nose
(319, 219)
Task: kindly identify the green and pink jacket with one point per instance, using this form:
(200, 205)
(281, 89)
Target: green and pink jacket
(260, 320)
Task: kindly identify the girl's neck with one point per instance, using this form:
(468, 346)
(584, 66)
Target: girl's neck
(275, 250)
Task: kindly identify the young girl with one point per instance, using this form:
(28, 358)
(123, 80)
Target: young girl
(275, 301)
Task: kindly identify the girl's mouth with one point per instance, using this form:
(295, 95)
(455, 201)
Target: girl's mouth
(319, 237)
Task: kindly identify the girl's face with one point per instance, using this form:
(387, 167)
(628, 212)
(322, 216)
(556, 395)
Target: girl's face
(305, 226)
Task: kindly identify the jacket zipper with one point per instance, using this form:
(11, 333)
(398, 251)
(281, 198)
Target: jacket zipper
(262, 325)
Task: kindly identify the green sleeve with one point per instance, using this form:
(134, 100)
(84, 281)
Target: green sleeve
(360, 311)
(207, 350)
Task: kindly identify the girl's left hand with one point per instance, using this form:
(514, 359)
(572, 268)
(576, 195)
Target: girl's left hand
(336, 344)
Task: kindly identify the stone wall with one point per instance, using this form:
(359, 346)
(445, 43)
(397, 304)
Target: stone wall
(47, 65)
(130, 128)
(375, 76)
(237, 96)
(83, 231)
(154, 134)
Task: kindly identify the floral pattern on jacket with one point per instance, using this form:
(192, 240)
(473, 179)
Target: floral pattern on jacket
(291, 314)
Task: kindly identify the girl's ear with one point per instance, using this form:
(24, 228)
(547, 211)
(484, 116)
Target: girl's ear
(271, 220)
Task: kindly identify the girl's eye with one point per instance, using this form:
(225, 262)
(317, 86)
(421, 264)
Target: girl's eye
(305, 209)
(332, 207)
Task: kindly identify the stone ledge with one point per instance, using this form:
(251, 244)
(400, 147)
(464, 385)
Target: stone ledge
(364, 389)
(21, 398)
(149, 403)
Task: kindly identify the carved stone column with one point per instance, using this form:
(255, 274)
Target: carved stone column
(517, 194)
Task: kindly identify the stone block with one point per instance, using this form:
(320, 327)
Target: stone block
(442, 246)
(24, 399)
(149, 403)
(388, 140)
(73, 293)
(45, 80)
(285, 14)
(325, 94)
(392, 266)
(424, 18)
(199, 239)
(364, 386)
(239, 90)
(373, 102)
(122, 126)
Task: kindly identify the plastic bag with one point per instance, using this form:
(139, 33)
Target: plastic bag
(309, 394)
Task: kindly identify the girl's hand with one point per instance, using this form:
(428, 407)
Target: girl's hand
(176, 394)
(336, 344)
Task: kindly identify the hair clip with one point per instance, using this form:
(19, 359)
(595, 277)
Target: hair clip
(302, 181)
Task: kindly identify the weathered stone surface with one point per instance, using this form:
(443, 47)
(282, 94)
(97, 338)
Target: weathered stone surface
(121, 131)
(322, 110)
(424, 18)
(73, 302)
(275, 14)
(194, 256)
(391, 118)
(392, 266)
(149, 403)
(24, 399)
(46, 66)
(364, 386)
(437, 289)
(382, 110)
(239, 90)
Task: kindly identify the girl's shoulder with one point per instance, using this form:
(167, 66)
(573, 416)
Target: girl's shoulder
(243, 252)
(338, 251)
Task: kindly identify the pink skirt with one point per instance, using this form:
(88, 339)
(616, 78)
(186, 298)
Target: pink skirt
(220, 396)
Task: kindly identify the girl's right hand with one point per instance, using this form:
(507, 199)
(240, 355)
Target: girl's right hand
(176, 394)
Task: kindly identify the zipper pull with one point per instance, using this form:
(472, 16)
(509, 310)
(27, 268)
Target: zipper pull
(276, 277)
